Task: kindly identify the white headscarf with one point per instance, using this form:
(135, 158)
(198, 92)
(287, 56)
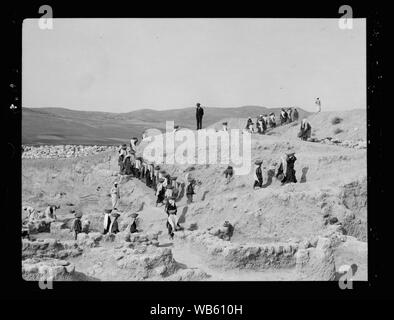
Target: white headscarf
(284, 163)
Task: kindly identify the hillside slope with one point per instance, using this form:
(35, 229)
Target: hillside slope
(352, 125)
(64, 126)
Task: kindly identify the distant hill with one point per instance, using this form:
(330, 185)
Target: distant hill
(65, 126)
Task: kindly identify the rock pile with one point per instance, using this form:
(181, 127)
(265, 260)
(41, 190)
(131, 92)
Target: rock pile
(37, 226)
(62, 151)
(249, 256)
(194, 274)
(148, 262)
(50, 248)
(136, 239)
(360, 144)
(317, 264)
(47, 270)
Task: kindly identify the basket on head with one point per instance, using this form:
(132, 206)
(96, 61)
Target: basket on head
(78, 214)
(115, 214)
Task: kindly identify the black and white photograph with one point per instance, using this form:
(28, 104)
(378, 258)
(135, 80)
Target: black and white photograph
(202, 152)
(194, 150)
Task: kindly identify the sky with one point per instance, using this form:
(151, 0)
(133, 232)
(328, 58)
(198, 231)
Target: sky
(121, 65)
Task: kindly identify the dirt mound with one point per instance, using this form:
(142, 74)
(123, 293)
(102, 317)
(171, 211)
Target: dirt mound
(342, 125)
(50, 248)
(228, 255)
(48, 269)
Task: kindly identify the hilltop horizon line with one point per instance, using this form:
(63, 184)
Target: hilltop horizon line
(191, 107)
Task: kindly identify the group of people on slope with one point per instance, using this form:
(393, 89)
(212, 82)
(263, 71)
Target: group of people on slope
(166, 187)
(265, 121)
(288, 116)
(285, 171)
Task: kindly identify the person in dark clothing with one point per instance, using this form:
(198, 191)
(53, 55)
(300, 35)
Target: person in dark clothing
(133, 227)
(137, 167)
(190, 192)
(133, 224)
(228, 173)
(155, 180)
(258, 176)
(290, 172)
(121, 164)
(283, 116)
(289, 115)
(286, 172)
(272, 120)
(25, 233)
(199, 115)
(264, 123)
(114, 228)
(227, 231)
(127, 165)
(77, 225)
(249, 125)
(148, 175)
(160, 191)
(143, 170)
(171, 207)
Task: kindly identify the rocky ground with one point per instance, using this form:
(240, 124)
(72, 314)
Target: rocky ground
(302, 231)
(63, 151)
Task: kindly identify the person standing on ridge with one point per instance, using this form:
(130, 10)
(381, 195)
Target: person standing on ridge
(318, 105)
(199, 115)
